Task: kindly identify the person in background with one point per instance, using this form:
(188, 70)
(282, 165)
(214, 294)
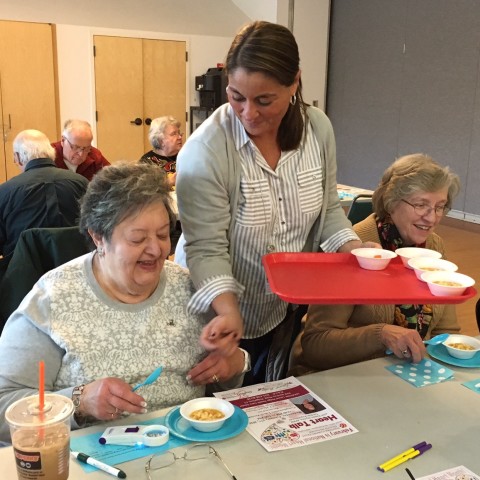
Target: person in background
(75, 152)
(166, 139)
(104, 321)
(258, 176)
(414, 194)
(41, 196)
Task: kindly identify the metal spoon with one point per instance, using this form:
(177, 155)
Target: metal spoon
(150, 379)
(433, 341)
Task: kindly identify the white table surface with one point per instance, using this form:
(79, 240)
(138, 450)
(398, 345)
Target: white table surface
(347, 193)
(390, 414)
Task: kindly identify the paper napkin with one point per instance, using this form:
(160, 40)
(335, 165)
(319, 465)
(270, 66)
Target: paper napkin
(473, 385)
(427, 372)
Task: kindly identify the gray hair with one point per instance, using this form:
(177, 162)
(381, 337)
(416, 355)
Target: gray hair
(31, 144)
(416, 173)
(71, 125)
(120, 191)
(156, 133)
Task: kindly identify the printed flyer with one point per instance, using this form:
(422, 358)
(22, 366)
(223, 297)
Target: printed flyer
(457, 473)
(286, 414)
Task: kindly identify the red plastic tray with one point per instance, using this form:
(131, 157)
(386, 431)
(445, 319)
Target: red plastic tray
(336, 278)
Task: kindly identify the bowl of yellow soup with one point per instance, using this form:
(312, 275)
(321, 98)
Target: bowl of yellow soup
(207, 414)
(462, 346)
(447, 284)
(430, 264)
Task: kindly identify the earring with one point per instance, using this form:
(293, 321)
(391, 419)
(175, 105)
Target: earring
(293, 99)
(100, 251)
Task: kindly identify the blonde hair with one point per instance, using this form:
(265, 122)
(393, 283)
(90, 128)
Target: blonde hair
(412, 174)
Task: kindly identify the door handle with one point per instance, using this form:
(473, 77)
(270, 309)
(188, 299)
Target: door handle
(137, 121)
(148, 121)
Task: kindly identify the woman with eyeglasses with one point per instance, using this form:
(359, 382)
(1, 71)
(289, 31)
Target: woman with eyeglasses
(414, 194)
(166, 139)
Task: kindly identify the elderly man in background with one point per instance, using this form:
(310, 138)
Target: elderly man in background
(75, 152)
(41, 196)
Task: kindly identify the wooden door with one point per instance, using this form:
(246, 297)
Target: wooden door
(28, 86)
(136, 79)
(164, 74)
(119, 97)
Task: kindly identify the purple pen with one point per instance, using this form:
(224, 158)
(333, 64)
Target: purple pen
(424, 448)
(419, 445)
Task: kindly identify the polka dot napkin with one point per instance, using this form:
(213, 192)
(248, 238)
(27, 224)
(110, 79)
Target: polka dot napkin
(427, 372)
(473, 385)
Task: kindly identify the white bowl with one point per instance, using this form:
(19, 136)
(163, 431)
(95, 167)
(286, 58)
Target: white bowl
(207, 402)
(430, 264)
(406, 253)
(373, 258)
(462, 283)
(459, 352)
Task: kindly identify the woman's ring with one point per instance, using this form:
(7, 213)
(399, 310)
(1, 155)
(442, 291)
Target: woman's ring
(215, 378)
(405, 352)
(112, 414)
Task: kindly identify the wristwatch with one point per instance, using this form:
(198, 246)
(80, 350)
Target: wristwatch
(77, 397)
(247, 365)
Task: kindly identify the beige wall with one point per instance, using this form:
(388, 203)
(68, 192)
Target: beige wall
(207, 27)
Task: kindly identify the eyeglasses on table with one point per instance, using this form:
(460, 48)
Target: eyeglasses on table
(198, 451)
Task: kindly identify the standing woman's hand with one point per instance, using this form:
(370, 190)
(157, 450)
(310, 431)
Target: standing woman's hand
(349, 246)
(223, 333)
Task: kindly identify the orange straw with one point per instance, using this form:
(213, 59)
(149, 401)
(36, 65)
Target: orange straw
(41, 385)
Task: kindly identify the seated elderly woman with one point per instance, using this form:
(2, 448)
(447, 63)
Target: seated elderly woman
(166, 139)
(104, 321)
(413, 195)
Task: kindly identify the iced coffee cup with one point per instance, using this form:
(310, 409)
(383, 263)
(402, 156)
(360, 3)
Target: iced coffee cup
(41, 439)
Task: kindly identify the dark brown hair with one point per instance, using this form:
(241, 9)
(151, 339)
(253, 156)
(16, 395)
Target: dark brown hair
(272, 50)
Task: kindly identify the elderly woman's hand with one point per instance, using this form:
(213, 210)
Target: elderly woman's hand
(404, 342)
(108, 398)
(217, 368)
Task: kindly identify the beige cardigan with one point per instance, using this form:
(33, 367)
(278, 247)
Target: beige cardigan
(337, 335)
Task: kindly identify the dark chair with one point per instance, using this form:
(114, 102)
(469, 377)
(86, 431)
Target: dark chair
(360, 208)
(37, 251)
(477, 313)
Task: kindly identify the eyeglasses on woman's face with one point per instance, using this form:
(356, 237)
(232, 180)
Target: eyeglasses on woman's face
(198, 451)
(424, 209)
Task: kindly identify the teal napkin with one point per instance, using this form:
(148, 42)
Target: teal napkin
(422, 374)
(473, 385)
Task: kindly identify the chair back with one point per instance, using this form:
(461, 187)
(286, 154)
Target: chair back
(360, 208)
(37, 251)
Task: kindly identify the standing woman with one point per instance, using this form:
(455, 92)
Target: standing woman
(258, 176)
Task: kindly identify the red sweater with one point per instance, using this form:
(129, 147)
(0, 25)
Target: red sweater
(94, 162)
